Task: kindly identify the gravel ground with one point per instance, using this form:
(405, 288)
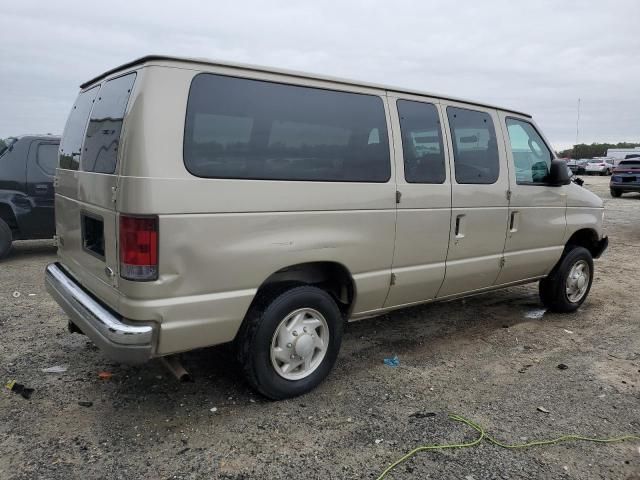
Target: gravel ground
(492, 358)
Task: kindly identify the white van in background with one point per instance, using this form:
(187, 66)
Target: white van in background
(199, 203)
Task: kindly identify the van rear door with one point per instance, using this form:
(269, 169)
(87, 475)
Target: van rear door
(87, 179)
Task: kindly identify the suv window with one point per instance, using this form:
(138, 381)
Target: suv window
(422, 145)
(475, 148)
(103, 133)
(71, 142)
(531, 157)
(629, 164)
(251, 129)
(47, 158)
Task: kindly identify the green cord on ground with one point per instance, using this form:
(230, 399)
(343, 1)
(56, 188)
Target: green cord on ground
(490, 439)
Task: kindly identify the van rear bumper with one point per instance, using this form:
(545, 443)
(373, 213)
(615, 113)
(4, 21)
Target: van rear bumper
(120, 341)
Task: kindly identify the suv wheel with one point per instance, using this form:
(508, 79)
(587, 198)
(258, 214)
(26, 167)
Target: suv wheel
(568, 284)
(6, 237)
(615, 192)
(289, 343)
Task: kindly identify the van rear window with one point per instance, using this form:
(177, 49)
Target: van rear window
(73, 135)
(100, 151)
(251, 129)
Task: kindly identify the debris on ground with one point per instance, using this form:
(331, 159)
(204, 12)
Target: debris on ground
(422, 415)
(392, 362)
(105, 375)
(16, 294)
(562, 366)
(213, 409)
(55, 369)
(543, 410)
(535, 314)
(84, 403)
(525, 368)
(378, 441)
(20, 389)
(568, 331)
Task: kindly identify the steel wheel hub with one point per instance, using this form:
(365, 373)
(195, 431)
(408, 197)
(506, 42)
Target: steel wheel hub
(577, 281)
(299, 344)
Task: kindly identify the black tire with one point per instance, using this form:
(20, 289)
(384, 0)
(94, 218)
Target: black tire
(615, 192)
(6, 237)
(253, 343)
(552, 289)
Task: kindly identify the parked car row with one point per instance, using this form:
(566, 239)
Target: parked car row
(592, 166)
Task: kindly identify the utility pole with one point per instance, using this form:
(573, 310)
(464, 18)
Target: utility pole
(578, 123)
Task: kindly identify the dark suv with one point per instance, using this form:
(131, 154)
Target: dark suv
(27, 168)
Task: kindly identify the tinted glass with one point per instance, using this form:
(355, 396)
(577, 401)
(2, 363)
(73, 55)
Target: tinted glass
(422, 145)
(629, 164)
(531, 157)
(47, 158)
(103, 133)
(475, 148)
(250, 129)
(71, 142)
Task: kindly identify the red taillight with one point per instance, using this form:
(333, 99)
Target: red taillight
(139, 248)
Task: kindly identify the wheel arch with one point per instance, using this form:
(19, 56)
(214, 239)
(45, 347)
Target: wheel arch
(584, 237)
(332, 277)
(8, 216)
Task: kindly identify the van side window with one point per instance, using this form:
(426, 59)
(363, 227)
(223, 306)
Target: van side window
(422, 145)
(47, 158)
(100, 151)
(531, 157)
(251, 129)
(74, 130)
(475, 148)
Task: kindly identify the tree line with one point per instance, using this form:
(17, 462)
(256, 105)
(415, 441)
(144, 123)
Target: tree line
(583, 150)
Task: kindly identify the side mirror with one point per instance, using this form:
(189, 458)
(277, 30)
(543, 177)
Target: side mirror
(558, 173)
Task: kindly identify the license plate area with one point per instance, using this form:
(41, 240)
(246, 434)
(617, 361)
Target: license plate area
(92, 234)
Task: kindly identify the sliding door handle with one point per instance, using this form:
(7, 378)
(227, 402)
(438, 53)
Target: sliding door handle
(514, 220)
(459, 230)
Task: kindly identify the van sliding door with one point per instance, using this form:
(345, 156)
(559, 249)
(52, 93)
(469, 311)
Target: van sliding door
(424, 208)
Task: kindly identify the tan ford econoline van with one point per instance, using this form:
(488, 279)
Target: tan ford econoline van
(199, 203)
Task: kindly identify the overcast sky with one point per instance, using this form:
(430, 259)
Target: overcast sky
(538, 56)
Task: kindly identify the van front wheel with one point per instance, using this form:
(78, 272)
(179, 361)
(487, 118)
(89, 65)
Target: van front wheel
(289, 343)
(568, 285)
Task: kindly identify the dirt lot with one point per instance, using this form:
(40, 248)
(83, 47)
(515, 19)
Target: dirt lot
(491, 358)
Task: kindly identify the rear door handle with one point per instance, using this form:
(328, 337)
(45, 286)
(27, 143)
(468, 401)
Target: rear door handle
(459, 231)
(514, 221)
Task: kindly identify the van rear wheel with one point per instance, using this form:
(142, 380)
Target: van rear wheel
(289, 343)
(615, 192)
(6, 237)
(568, 285)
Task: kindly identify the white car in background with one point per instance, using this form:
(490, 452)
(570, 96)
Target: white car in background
(602, 166)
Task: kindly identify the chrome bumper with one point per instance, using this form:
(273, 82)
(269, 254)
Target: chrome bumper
(120, 341)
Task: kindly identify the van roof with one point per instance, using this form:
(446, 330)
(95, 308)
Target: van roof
(294, 73)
